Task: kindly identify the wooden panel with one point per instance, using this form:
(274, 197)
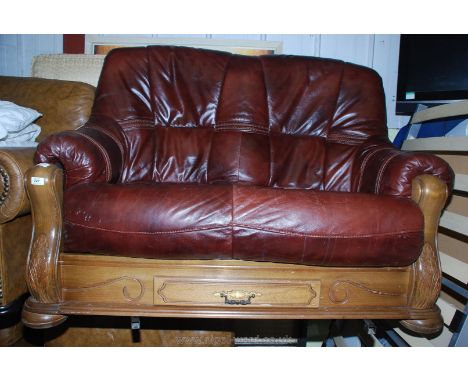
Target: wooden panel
(436, 144)
(461, 182)
(453, 247)
(186, 291)
(442, 111)
(454, 222)
(454, 267)
(458, 162)
(131, 281)
(458, 205)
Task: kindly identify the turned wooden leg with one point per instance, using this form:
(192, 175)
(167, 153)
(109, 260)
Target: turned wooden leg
(40, 320)
(44, 184)
(430, 194)
(431, 325)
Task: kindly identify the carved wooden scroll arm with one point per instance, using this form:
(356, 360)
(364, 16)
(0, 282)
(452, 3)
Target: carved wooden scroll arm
(430, 193)
(44, 185)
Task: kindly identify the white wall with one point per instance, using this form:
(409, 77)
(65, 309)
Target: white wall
(17, 51)
(379, 52)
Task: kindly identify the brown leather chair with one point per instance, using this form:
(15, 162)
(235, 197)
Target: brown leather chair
(65, 105)
(207, 184)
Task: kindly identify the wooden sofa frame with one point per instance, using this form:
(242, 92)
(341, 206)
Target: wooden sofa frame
(64, 284)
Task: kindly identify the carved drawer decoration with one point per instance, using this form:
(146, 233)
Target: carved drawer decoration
(260, 293)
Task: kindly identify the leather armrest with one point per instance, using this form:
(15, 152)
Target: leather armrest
(14, 163)
(386, 170)
(93, 153)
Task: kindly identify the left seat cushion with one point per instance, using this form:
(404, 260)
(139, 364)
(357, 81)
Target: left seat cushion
(166, 221)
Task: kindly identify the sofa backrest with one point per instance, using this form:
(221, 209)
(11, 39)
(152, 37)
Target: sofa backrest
(192, 115)
(68, 67)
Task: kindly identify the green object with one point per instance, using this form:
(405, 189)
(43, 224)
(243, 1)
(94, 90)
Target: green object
(410, 95)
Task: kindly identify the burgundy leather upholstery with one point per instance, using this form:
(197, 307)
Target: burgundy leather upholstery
(242, 222)
(201, 154)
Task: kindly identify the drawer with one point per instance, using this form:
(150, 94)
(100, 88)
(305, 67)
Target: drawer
(248, 293)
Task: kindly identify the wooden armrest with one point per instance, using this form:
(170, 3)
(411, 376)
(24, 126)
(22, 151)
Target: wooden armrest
(44, 185)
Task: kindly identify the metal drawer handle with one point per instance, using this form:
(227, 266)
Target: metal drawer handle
(237, 297)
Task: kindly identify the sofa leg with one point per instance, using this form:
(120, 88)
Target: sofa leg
(426, 326)
(39, 320)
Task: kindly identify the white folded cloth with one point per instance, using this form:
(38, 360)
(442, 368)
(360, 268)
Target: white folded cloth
(16, 125)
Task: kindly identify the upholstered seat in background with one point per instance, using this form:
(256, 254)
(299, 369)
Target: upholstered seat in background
(65, 105)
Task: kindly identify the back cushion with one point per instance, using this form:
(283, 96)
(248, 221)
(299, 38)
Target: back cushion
(192, 115)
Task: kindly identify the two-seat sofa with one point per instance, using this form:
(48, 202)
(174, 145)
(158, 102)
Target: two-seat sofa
(207, 184)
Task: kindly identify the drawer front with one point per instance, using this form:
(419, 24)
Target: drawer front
(275, 293)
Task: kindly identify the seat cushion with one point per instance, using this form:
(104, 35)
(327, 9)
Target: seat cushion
(166, 221)
(225, 221)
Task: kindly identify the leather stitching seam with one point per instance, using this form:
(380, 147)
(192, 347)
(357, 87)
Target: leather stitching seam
(364, 164)
(110, 135)
(103, 152)
(338, 93)
(184, 230)
(266, 93)
(217, 227)
(221, 88)
(326, 235)
(381, 171)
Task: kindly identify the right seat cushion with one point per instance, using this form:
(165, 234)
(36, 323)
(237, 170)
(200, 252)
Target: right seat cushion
(226, 221)
(325, 228)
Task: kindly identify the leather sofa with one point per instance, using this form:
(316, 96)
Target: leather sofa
(207, 184)
(64, 105)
